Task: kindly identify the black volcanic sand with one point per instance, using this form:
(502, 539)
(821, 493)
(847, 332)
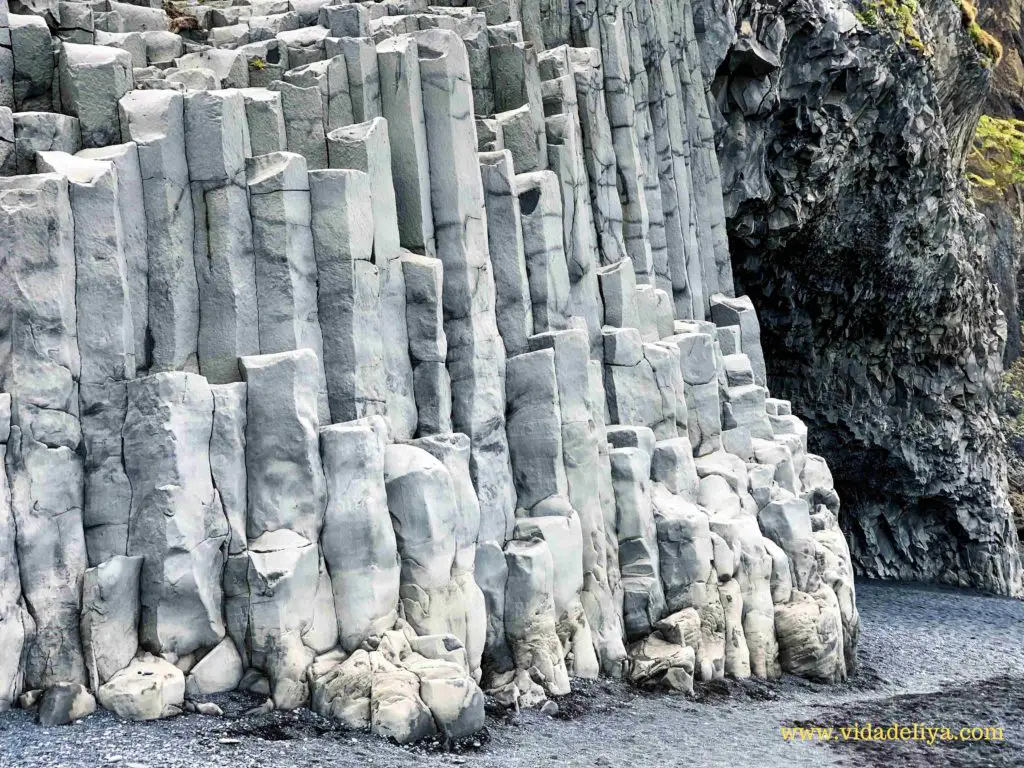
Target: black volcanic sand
(927, 655)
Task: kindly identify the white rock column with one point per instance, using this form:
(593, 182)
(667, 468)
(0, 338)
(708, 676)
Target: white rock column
(93, 78)
(358, 539)
(540, 208)
(15, 621)
(155, 121)
(366, 147)
(6, 60)
(402, 105)
(513, 311)
(599, 153)
(349, 293)
(216, 145)
(286, 272)
(286, 507)
(106, 345)
(476, 356)
(177, 521)
(40, 367)
(131, 197)
(581, 457)
(428, 346)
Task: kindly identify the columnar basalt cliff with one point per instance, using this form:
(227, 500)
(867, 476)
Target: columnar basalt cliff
(843, 138)
(372, 356)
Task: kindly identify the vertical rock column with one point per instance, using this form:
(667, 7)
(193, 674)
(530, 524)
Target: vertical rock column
(15, 621)
(402, 105)
(476, 356)
(519, 103)
(366, 147)
(644, 600)
(131, 197)
(581, 457)
(599, 153)
(428, 346)
(92, 80)
(358, 539)
(40, 366)
(540, 207)
(672, 145)
(216, 144)
(177, 522)
(513, 311)
(538, 466)
(566, 159)
(286, 274)
(227, 466)
(106, 345)
(706, 197)
(621, 106)
(286, 503)
(6, 59)
(469, 614)
(639, 84)
(155, 121)
(348, 293)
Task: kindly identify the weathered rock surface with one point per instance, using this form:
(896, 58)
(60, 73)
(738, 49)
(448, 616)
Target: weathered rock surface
(394, 353)
(812, 224)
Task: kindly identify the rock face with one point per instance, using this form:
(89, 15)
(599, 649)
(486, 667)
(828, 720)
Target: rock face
(391, 357)
(894, 362)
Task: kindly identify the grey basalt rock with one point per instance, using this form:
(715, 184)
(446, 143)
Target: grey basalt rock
(41, 365)
(93, 78)
(358, 539)
(285, 477)
(155, 121)
(581, 456)
(513, 305)
(902, 528)
(644, 598)
(476, 357)
(110, 617)
(43, 131)
(540, 209)
(402, 105)
(461, 419)
(217, 143)
(348, 293)
(285, 263)
(175, 507)
(6, 60)
(130, 191)
(64, 703)
(428, 345)
(366, 147)
(423, 502)
(15, 621)
(33, 63)
(227, 458)
(106, 338)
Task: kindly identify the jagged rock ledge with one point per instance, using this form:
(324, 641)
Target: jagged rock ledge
(372, 356)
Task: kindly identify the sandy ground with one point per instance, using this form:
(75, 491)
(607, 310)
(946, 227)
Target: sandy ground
(929, 656)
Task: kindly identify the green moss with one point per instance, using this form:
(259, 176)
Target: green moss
(257, 63)
(895, 15)
(996, 161)
(991, 50)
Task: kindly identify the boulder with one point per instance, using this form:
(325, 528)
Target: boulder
(218, 671)
(64, 703)
(147, 689)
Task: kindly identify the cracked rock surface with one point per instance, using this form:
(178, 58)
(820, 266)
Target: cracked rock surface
(369, 359)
